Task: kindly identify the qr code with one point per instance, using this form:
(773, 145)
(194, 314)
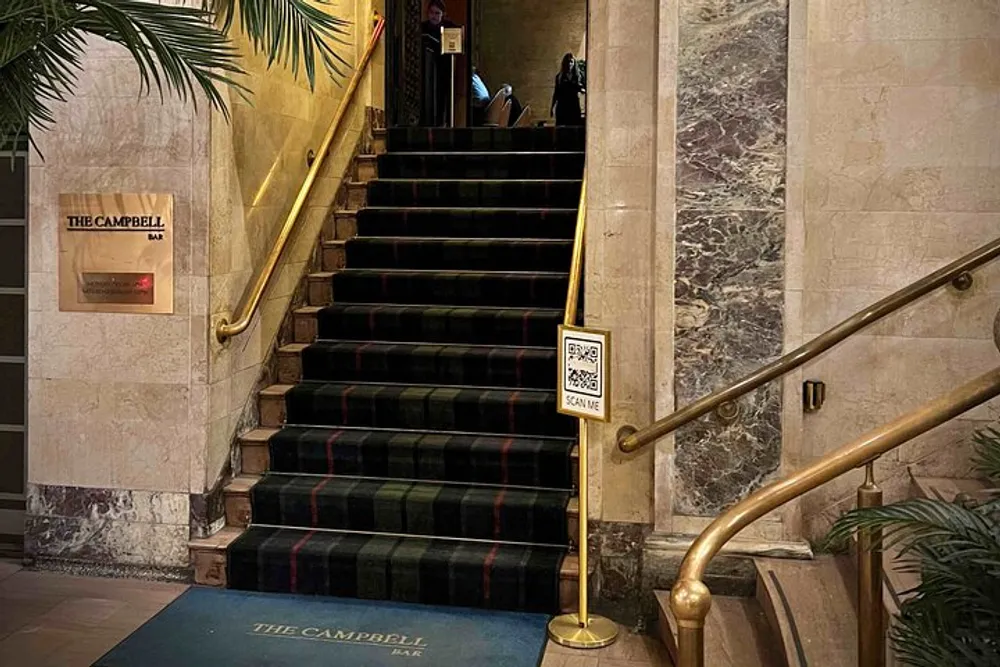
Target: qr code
(583, 372)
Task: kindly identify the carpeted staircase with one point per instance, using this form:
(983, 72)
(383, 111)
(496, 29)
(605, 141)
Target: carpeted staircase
(422, 458)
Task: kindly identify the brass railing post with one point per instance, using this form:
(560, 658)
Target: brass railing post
(871, 634)
(690, 601)
(581, 630)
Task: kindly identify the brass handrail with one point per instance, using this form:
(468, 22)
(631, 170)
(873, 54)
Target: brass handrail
(576, 265)
(631, 440)
(224, 330)
(691, 600)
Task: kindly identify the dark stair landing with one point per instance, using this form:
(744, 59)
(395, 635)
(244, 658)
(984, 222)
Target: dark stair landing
(423, 459)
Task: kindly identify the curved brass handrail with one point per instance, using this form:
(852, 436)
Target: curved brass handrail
(576, 265)
(631, 440)
(690, 599)
(224, 330)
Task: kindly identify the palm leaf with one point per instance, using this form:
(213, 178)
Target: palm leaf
(953, 618)
(181, 50)
(41, 45)
(986, 456)
(289, 31)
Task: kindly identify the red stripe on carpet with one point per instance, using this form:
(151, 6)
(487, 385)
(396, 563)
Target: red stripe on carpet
(504, 454)
(358, 354)
(329, 450)
(524, 327)
(344, 414)
(488, 572)
(293, 562)
(497, 508)
(519, 365)
(313, 502)
(371, 321)
(385, 284)
(511, 416)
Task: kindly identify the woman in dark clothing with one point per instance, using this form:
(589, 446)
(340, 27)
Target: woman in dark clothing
(566, 96)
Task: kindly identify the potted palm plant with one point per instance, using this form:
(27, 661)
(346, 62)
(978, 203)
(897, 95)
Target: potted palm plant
(187, 51)
(952, 618)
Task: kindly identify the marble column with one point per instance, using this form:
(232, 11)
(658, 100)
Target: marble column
(729, 251)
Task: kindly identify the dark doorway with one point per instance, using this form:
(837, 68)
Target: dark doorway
(13, 346)
(409, 65)
(516, 43)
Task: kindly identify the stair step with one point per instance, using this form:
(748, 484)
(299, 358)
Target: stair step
(948, 490)
(563, 193)
(254, 455)
(440, 324)
(290, 362)
(357, 195)
(451, 288)
(332, 361)
(393, 506)
(498, 411)
(379, 140)
(546, 223)
(208, 556)
(481, 165)
(305, 325)
(341, 225)
(813, 608)
(334, 255)
(319, 288)
(736, 633)
(366, 167)
(470, 458)
(458, 254)
(486, 139)
(403, 569)
(271, 405)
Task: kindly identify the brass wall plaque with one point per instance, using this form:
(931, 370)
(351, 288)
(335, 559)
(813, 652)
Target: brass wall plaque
(116, 253)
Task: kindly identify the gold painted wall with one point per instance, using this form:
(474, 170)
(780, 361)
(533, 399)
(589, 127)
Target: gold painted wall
(258, 163)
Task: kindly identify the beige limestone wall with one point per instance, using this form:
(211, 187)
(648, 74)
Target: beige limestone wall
(522, 43)
(119, 401)
(132, 415)
(258, 164)
(894, 170)
(627, 226)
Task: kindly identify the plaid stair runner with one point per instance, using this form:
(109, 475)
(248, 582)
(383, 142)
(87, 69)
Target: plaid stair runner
(423, 459)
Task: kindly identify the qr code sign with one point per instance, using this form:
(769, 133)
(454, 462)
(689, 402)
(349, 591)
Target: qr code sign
(583, 367)
(583, 361)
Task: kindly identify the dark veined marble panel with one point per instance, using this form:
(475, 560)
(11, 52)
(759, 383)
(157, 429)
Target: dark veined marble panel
(731, 104)
(729, 294)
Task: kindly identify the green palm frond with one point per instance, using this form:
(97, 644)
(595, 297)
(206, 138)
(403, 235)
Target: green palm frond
(986, 457)
(41, 45)
(179, 50)
(953, 618)
(289, 31)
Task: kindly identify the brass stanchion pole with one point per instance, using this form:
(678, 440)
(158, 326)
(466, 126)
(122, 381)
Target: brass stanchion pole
(583, 630)
(871, 634)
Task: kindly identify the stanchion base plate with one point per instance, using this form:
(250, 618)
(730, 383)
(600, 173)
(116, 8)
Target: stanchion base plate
(565, 630)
